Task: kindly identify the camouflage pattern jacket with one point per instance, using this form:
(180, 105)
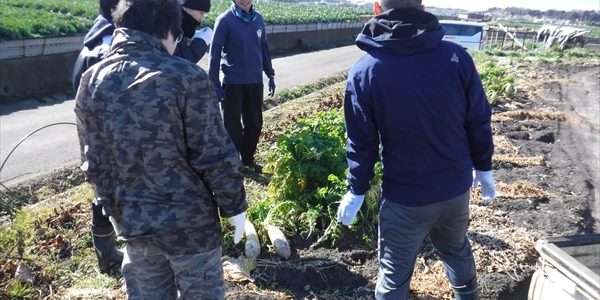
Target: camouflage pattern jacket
(154, 147)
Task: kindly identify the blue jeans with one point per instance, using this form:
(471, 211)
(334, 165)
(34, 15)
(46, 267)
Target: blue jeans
(401, 233)
(149, 273)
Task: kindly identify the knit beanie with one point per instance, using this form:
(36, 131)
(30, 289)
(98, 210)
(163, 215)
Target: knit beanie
(203, 5)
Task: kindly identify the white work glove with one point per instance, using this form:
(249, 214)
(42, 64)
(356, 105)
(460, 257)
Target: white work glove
(488, 187)
(204, 33)
(238, 221)
(349, 207)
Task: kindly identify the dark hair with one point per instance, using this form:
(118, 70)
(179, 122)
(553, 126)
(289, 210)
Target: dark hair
(106, 6)
(154, 17)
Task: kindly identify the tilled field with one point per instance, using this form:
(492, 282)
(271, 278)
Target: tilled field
(545, 178)
(545, 165)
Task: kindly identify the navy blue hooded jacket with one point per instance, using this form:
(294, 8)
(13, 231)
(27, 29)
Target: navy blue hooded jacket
(93, 48)
(100, 28)
(421, 98)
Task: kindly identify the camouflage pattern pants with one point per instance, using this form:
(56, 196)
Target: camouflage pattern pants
(149, 273)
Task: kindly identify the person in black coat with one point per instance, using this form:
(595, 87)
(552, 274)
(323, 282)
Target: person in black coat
(95, 44)
(195, 42)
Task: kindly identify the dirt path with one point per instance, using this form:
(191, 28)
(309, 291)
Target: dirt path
(582, 96)
(575, 90)
(558, 121)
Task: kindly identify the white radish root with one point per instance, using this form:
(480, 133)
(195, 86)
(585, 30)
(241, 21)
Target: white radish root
(252, 245)
(279, 241)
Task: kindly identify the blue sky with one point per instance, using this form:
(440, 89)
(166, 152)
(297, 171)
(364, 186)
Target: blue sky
(532, 4)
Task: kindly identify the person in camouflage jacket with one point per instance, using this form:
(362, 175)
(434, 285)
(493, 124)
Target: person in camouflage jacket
(154, 147)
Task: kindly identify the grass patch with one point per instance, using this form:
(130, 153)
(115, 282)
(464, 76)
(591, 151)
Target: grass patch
(52, 239)
(19, 290)
(286, 95)
(99, 281)
(37, 190)
(555, 55)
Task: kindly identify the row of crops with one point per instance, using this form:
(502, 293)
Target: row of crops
(21, 19)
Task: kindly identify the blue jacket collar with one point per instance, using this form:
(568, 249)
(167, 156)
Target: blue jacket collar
(242, 14)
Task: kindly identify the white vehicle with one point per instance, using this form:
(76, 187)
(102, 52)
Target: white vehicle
(470, 35)
(568, 268)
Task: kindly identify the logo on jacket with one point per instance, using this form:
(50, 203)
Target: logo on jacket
(454, 58)
(419, 32)
(259, 33)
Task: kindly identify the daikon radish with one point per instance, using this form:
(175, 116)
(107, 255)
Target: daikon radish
(252, 245)
(279, 241)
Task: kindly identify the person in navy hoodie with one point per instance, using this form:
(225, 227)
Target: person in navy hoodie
(239, 48)
(418, 103)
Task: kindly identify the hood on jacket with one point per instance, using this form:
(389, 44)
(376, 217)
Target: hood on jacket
(401, 31)
(100, 28)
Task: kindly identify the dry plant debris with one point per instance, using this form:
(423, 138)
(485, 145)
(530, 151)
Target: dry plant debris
(529, 115)
(517, 190)
(429, 280)
(238, 269)
(503, 144)
(498, 246)
(520, 161)
(521, 190)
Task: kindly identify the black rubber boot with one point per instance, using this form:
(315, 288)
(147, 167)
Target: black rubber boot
(469, 291)
(105, 245)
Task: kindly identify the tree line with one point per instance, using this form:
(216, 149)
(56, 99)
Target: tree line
(590, 17)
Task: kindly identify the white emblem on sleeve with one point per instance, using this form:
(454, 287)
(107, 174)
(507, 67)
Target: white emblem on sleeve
(454, 58)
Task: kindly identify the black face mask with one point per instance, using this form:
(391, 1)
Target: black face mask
(188, 24)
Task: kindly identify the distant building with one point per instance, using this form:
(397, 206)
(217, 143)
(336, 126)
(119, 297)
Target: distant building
(477, 17)
(446, 17)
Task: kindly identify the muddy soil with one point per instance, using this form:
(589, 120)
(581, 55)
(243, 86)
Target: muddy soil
(546, 167)
(551, 126)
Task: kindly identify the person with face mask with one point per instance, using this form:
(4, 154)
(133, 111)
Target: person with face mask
(195, 41)
(240, 49)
